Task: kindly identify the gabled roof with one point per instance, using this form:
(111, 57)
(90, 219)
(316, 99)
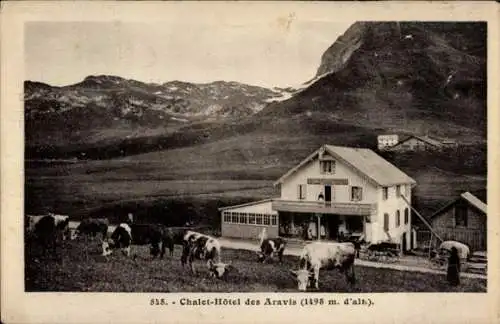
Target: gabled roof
(425, 139)
(364, 161)
(467, 196)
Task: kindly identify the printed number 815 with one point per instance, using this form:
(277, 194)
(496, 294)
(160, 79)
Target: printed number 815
(157, 301)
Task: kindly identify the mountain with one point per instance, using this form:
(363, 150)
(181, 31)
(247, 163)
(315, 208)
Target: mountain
(378, 77)
(110, 107)
(414, 77)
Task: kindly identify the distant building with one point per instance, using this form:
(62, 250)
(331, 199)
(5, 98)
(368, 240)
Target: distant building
(385, 141)
(463, 220)
(416, 143)
(334, 191)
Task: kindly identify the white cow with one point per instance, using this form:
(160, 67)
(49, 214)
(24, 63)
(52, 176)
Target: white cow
(325, 255)
(463, 250)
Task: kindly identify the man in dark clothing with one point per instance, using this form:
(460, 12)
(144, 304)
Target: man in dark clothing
(453, 273)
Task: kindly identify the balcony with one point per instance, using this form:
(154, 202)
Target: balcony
(303, 206)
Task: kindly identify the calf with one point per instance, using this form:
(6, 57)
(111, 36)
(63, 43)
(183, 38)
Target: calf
(121, 238)
(270, 246)
(325, 255)
(92, 227)
(203, 247)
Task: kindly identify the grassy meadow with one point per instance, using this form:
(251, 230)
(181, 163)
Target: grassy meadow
(80, 268)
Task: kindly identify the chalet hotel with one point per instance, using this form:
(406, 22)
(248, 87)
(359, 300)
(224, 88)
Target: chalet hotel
(334, 191)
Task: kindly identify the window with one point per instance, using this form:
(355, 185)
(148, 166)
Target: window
(267, 219)
(301, 191)
(234, 217)
(407, 216)
(385, 193)
(243, 218)
(398, 218)
(226, 217)
(274, 220)
(398, 191)
(461, 215)
(327, 167)
(251, 218)
(258, 218)
(386, 222)
(356, 193)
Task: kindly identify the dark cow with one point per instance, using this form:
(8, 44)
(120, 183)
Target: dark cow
(159, 236)
(203, 247)
(270, 246)
(92, 227)
(45, 233)
(325, 255)
(121, 239)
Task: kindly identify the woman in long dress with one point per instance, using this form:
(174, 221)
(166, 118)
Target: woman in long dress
(453, 273)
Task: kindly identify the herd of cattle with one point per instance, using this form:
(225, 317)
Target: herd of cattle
(46, 230)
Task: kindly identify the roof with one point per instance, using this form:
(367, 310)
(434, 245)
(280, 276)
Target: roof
(474, 201)
(425, 139)
(246, 204)
(362, 160)
(467, 196)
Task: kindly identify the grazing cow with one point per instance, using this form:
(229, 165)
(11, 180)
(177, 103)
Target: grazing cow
(121, 238)
(92, 227)
(325, 255)
(203, 247)
(159, 236)
(270, 246)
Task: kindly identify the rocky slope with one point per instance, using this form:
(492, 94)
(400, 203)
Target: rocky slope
(110, 102)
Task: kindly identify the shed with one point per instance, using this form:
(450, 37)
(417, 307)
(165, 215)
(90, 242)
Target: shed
(463, 220)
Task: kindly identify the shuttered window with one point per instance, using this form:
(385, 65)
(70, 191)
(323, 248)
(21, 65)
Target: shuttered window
(386, 222)
(385, 193)
(407, 216)
(398, 218)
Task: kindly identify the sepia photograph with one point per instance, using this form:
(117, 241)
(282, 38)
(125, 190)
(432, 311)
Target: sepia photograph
(374, 165)
(223, 156)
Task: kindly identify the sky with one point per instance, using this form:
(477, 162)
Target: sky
(286, 54)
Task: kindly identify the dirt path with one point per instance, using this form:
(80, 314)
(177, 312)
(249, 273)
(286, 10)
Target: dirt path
(295, 250)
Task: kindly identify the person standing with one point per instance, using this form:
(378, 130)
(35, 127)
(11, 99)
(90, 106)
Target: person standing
(453, 272)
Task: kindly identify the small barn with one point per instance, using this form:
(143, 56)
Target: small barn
(463, 220)
(248, 220)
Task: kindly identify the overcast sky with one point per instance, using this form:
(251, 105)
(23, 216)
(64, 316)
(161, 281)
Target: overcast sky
(62, 53)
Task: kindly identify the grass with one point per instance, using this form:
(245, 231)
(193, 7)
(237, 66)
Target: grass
(81, 269)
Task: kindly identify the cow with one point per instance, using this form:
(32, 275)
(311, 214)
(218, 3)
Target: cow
(325, 255)
(92, 227)
(121, 238)
(62, 225)
(203, 247)
(464, 252)
(270, 246)
(159, 236)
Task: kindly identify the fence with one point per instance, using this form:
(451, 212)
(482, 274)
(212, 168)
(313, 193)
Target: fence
(476, 239)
